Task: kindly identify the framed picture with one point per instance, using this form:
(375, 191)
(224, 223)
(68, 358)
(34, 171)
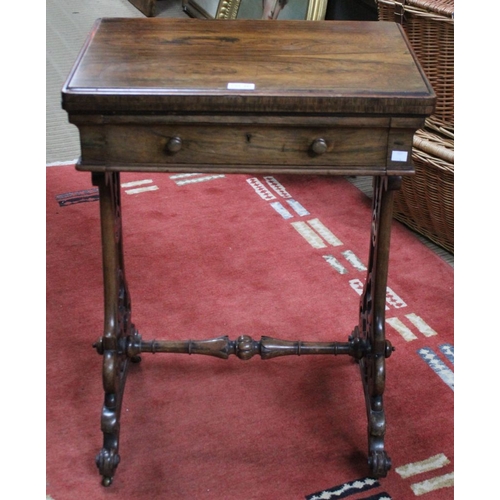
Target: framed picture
(310, 10)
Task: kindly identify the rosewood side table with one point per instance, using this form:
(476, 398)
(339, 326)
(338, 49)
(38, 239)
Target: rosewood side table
(245, 96)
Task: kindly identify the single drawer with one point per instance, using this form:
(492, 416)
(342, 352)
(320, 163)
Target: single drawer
(234, 144)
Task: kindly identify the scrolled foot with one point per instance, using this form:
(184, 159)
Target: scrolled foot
(107, 461)
(379, 463)
(106, 481)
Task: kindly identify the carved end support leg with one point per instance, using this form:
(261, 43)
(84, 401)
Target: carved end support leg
(371, 328)
(117, 322)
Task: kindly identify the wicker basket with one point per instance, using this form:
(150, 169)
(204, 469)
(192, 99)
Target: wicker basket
(425, 202)
(429, 25)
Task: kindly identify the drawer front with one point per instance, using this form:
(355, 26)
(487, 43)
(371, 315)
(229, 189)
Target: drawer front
(217, 144)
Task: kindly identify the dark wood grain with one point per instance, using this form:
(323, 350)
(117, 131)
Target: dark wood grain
(296, 66)
(238, 145)
(353, 86)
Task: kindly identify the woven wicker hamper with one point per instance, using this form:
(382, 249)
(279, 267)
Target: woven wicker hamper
(429, 25)
(425, 202)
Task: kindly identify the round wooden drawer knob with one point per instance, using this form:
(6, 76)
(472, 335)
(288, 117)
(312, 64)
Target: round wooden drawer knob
(319, 146)
(174, 144)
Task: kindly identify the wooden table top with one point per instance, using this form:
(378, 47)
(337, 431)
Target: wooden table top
(163, 65)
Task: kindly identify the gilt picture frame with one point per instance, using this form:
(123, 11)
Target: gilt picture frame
(308, 10)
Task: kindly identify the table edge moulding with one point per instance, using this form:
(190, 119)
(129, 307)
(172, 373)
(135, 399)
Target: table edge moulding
(245, 96)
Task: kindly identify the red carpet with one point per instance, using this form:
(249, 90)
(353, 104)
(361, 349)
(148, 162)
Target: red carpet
(229, 256)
